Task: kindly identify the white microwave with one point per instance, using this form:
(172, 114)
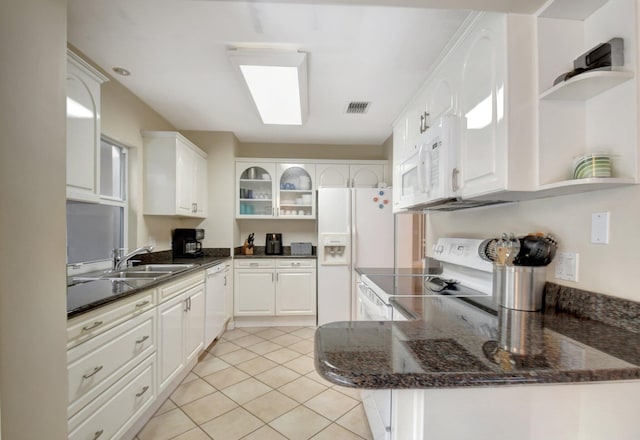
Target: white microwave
(430, 175)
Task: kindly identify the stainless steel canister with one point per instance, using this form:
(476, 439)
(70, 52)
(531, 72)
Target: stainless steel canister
(520, 332)
(519, 287)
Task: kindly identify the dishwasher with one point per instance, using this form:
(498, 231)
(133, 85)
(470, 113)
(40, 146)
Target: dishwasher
(215, 302)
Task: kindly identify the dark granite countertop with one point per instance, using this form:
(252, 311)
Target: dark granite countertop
(431, 266)
(259, 252)
(85, 296)
(469, 342)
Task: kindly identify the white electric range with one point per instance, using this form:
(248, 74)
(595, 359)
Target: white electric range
(462, 274)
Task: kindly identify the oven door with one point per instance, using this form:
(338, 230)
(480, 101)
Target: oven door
(370, 307)
(376, 403)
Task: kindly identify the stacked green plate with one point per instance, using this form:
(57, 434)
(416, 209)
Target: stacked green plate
(592, 165)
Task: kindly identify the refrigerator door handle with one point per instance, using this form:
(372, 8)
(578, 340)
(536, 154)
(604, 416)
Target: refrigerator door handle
(353, 231)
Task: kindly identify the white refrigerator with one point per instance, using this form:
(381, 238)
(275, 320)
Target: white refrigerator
(355, 229)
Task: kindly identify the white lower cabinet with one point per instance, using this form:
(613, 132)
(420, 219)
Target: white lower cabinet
(180, 326)
(295, 288)
(255, 292)
(94, 366)
(275, 287)
(171, 334)
(124, 355)
(113, 412)
(603, 410)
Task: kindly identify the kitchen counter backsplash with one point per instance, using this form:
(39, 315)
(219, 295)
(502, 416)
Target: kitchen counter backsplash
(166, 256)
(616, 312)
(259, 252)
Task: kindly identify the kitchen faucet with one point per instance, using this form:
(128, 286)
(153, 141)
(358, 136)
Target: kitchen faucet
(119, 261)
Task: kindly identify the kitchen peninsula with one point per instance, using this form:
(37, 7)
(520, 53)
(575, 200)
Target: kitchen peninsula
(565, 373)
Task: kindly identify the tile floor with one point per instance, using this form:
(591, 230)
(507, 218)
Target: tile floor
(259, 383)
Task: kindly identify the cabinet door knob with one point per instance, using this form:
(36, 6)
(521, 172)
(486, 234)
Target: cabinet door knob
(92, 326)
(95, 370)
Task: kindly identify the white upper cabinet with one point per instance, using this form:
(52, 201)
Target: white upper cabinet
(255, 190)
(175, 173)
(332, 175)
(83, 129)
(497, 102)
(483, 146)
(296, 191)
(366, 176)
(268, 190)
(349, 175)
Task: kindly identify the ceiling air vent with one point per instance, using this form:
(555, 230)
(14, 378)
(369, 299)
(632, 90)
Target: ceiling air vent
(358, 107)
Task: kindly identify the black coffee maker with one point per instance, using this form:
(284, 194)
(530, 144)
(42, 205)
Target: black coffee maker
(273, 244)
(186, 243)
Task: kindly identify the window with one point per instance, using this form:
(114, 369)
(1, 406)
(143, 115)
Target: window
(95, 229)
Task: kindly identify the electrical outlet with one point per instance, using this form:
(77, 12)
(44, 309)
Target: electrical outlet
(567, 266)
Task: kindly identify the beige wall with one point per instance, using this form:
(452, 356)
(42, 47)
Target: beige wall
(124, 116)
(610, 269)
(221, 230)
(33, 375)
(312, 151)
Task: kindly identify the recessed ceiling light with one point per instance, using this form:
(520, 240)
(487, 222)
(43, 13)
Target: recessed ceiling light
(121, 71)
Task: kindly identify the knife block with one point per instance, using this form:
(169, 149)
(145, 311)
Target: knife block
(246, 249)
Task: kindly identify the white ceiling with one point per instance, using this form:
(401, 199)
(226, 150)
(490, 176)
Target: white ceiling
(357, 51)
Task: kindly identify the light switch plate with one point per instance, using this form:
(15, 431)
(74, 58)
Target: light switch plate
(600, 227)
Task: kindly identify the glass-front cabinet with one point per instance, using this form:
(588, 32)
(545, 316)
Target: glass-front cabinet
(268, 190)
(255, 190)
(295, 191)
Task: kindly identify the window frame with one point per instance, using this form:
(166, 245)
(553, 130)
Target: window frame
(89, 266)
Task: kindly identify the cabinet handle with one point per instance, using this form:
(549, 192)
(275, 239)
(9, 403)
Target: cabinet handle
(225, 280)
(142, 339)
(277, 277)
(142, 304)
(454, 180)
(92, 326)
(272, 278)
(189, 299)
(253, 264)
(144, 390)
(97, 434)
(186, 305)
(95, 370)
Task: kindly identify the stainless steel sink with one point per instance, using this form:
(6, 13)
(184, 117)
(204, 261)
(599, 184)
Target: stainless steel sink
(144, 272)
(135, 275)
(172, 268)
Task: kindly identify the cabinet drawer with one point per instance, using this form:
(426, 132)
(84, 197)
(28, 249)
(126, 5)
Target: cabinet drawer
(294, 264)
(115, 410)
(95, 365)
(98, 321)
(254, 263)
(170, 290)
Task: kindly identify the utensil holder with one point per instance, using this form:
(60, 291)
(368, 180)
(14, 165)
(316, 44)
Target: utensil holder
(519, 287)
